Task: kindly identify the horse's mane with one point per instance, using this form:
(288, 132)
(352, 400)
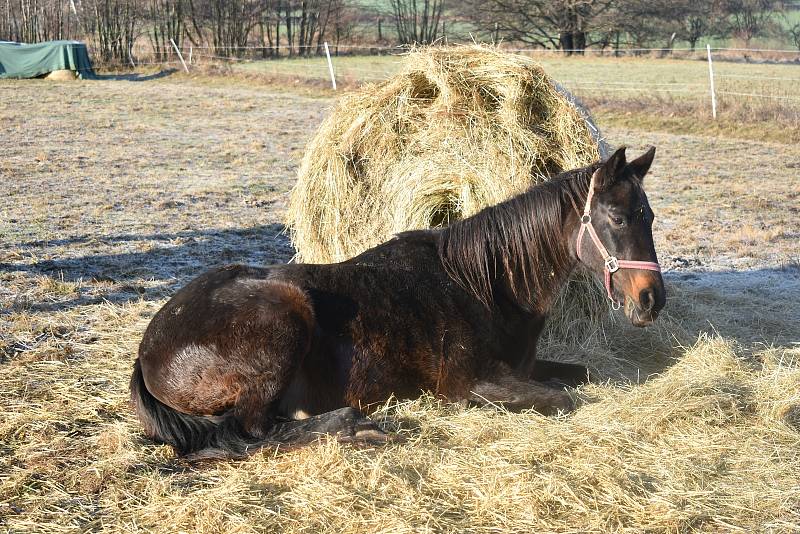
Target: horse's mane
(518, 240)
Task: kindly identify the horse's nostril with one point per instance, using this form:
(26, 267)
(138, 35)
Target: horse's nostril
(647, 299)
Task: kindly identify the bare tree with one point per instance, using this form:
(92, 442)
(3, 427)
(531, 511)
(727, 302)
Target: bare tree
(226, 24)
(167, 21)
(751, 18)
(568, 25)
(269, 27)
(36, 20)
(114, 26)
(695, 20)
(417, 21)
(794, 34)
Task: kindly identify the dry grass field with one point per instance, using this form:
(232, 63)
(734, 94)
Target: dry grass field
(117, 192)
(757, 99)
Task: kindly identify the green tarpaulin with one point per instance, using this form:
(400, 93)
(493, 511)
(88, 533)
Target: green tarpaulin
(32, 60)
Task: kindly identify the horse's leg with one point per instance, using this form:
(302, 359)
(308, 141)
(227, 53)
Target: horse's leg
(556, 373)
(345, 424)
(560, 373)
(501, 386)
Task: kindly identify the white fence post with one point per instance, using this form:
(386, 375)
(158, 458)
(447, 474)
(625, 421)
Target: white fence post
(711, 80)
(190, 54)
(179, 54)
(330, 65)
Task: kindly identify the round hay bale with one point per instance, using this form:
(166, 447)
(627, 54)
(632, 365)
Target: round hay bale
(64, 75)
(457, 129)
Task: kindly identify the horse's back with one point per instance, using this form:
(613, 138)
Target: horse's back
(416, 250)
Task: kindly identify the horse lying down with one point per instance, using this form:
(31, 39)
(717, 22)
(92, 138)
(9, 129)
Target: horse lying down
(246, 357)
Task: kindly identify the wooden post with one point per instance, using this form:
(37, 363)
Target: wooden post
(330, 65)
(190, 54)
(179, 54)
(711, 86)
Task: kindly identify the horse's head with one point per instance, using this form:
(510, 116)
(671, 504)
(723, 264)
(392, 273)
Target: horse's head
(615, 238)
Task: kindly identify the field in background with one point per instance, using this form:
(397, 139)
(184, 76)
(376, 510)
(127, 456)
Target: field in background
(688, 76)
(754, 100)
(112, 204)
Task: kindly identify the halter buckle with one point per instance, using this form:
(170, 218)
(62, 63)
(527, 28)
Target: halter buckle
(586, 219)
(612, 264)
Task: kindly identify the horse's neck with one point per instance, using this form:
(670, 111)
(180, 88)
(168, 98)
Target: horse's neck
(552, 278)
(521, 248)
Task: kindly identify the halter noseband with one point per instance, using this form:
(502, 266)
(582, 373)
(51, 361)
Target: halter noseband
(611, 263)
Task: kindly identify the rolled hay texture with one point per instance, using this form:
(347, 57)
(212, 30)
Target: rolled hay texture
(64, 75)
(456, 130)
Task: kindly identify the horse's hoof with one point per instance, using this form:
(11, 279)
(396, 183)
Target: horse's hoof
(561, 403)
(566, 404)
(365, 432)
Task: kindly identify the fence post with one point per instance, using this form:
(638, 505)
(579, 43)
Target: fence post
(179, 54)
(330, 65)
(190, 54)
(711, 80)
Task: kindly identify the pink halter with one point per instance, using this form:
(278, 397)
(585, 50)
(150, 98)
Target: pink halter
(612, 264)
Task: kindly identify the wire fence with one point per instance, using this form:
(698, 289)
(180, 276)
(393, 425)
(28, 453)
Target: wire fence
(710, 73)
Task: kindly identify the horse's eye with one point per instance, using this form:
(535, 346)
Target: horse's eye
(619, 221)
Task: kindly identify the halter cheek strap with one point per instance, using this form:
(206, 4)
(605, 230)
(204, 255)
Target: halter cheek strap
(611, 263)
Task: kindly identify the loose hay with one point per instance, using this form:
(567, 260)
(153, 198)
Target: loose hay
(712, 444)
(64, 75)
(458, 129)
(705, 446)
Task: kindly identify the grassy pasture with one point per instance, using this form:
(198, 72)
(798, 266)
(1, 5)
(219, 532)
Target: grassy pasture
(659, 93)
(590, 74)
(114, 201)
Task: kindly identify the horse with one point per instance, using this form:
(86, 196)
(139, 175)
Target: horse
(244, 357)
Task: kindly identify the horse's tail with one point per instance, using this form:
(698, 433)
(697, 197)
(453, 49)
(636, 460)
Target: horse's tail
(191, 435)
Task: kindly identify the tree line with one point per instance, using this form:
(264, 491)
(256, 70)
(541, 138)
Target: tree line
(574, 25)
(300, 27)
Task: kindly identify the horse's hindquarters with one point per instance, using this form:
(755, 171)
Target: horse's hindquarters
(227, 343)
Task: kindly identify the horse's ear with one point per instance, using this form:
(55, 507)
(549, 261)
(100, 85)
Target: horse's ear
(641, 165)
(607, 173)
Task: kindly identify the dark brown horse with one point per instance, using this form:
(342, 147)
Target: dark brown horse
(244, 357)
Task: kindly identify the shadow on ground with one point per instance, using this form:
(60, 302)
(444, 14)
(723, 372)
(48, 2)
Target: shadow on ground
(137, 77)
(153, 265)
(753, 306)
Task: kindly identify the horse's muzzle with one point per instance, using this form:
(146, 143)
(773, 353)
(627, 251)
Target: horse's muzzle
(650, 302)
